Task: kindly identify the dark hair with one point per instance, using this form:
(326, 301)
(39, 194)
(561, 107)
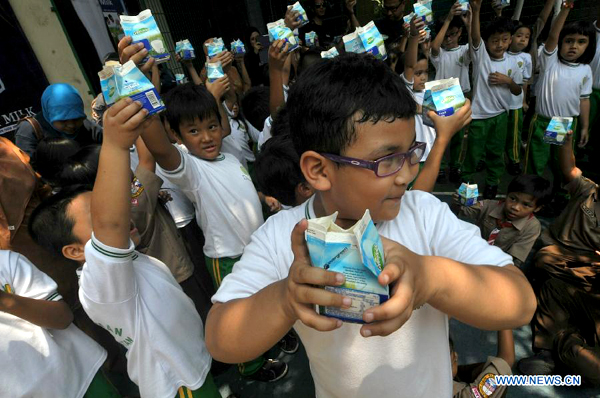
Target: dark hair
(82, 167)
(49, 224)
(187, 102)
(497, 25)
(255, 106)
(325, 100)
(534, 185)
(518, 25)
(584, 28)
(309, 58)
(277, 169)
(455, 22)
(50, 157)
(281, 124)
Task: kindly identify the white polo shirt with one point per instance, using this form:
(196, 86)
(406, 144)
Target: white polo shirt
(414, 361)
(137, 300)
(561, 86)
(524, 62)
(453, 63)
(227, 206)
(490, 101)
(40, 362)
(595, 64)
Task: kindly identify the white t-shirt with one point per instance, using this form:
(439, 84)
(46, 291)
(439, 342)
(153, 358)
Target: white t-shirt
(181, 208)
(40, 362)
(526, 65)
(595, 64)
(490, 101)
(412, 362)
(562, 85)
(240, 134)
(137, 300)
(231, 145)
(453, 63)
(265, 134)
(424, 133)
(227, 206)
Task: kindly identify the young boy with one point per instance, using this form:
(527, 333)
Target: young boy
(497, 79)
(368, 115)
(511, 224)
(131, 295)
(44, 354)
(451, 59)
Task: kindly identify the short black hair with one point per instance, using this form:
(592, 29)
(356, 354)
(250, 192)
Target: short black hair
(325, 100)
(254, 106)
(82, 167)
(534, 185)
(518, 25)
(497, 25)
(49, 224)
(189, 101)
(50, 156)
(277, 169)
(584, 28)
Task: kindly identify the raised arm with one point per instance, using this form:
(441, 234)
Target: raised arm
(476, 23)
(146, 160)
(218, 89)
(552, 41)
(111, 198)
(43, 313)
(439, 38)
(412, 49)
(189, 66)
(506, 346)
(584, 119)
(158, 143)
(278, 55)
(566, 159)
(241, 66)
(350, 4)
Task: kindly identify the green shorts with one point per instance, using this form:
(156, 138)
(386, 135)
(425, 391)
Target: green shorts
(219, 268)
(513, 135)
(100, 387)
(208, 390)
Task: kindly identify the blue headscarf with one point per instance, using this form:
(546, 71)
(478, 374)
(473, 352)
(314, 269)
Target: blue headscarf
(61, 101)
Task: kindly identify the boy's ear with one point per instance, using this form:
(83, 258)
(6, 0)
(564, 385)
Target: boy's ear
(304, 190)
(173, 136)
(538, 208)
(74, 251)
(317, 170)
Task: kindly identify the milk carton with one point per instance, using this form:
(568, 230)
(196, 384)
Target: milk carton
(372, 41)
(302, 18)
(237, 47)
(143, 29)
(278, 30)
(185, 50)
(310, 39)
(215, 47)
(501, 3)
(423, 9)
(353, 43)
(407, 19)
(121, 81)
(214, 71)
(557, 129)
(180, 78)
(464, 5)
(358, 254)
(468, 194)
(331, 53)
(443, 97)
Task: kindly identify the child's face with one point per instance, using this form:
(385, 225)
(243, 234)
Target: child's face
(232, 103)
(451, 38)
(68, 126)
(353, 189)
(202, 137)
(497, 44)
(421, 75)
(520, 39)
(519, 205)
(573, 46)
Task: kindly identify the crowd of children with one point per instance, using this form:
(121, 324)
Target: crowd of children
(155, 249)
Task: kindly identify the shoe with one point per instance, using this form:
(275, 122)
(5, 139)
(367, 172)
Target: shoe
(441, 178)
(289, 343)
(480, 166)
(272, 370)
(490, 191)
(514, 169)
(454, 174)
(539, 364)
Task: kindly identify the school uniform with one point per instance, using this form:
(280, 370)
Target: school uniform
(41, 362)
(595, 97)
(513, 237)
(454, 63)
(483, 384)
(137, 300)
(569, 301)
(515, 115)
(342, 362)
(561, 87)
(424, 133)
(491, 104)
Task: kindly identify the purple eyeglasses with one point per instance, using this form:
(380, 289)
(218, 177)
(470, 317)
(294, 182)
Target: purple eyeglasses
(386, 165)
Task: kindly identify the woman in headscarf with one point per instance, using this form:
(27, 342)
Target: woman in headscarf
(256, 70)
(62, 115)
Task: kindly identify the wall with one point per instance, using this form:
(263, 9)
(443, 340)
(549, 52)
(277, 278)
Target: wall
(47, 38)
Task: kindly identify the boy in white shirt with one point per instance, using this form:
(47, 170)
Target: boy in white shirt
(43, 353)
(595, 97)
(368, 115)
(451, 59)
(496, 79)
(133, 296)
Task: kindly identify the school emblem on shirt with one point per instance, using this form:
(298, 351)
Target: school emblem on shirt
(7, 288)
(136, 190)
(461, 59)
(487, 385)
(520, 63)
(509, 72)
(245, 173)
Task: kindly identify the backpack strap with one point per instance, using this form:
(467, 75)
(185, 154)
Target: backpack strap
(37, 128)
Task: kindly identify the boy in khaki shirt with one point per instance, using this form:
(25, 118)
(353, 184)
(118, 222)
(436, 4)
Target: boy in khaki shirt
(511, 224)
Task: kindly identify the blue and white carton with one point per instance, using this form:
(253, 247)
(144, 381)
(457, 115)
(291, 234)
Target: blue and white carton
(502, 3)
(423, 9)
(302, 18)
(237, 47)
(557, 130)
(358, 254)
(214, 71)
(331, 53)
(215, 47)
(310, 39)
(121, 81)
(444, 97)
(143, 29)
(278, 30)
(467, 194)
(185, 50)
(372, 41)
(464, 5)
